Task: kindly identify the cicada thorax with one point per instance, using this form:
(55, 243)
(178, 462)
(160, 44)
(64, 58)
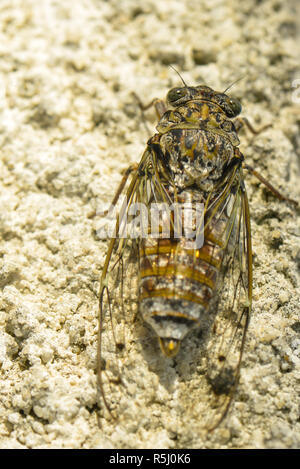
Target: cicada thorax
(178, 278)
(197, 141)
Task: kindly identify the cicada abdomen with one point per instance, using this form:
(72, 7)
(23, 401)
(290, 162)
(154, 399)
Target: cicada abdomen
(178, 279)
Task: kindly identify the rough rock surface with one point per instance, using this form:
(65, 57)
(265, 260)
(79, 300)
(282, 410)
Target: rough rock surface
(69, 125)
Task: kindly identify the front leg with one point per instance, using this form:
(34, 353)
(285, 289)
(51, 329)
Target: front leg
(243, 121)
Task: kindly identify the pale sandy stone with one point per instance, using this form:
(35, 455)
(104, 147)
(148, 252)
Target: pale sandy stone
(69, 126)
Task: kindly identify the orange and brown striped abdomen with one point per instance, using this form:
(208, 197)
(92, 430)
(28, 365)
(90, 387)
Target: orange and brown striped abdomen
(177, 284)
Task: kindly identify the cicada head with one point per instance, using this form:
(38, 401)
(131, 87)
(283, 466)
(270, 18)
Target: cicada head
(231, 106)
(178, 96)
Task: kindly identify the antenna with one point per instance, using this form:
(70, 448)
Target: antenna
(230, 86)
(179, 75)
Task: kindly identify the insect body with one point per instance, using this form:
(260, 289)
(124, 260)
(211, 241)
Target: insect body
(192, 159)
(193, 154)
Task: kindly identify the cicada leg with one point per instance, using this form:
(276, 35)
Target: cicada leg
(133, 167)
(269, 185)
(159, 105)
(243, 121)
(239, 123)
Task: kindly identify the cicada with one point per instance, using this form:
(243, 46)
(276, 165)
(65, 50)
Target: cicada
(182, 280)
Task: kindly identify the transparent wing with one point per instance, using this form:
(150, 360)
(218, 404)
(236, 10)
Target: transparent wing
(232, 307)
(118, 302)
